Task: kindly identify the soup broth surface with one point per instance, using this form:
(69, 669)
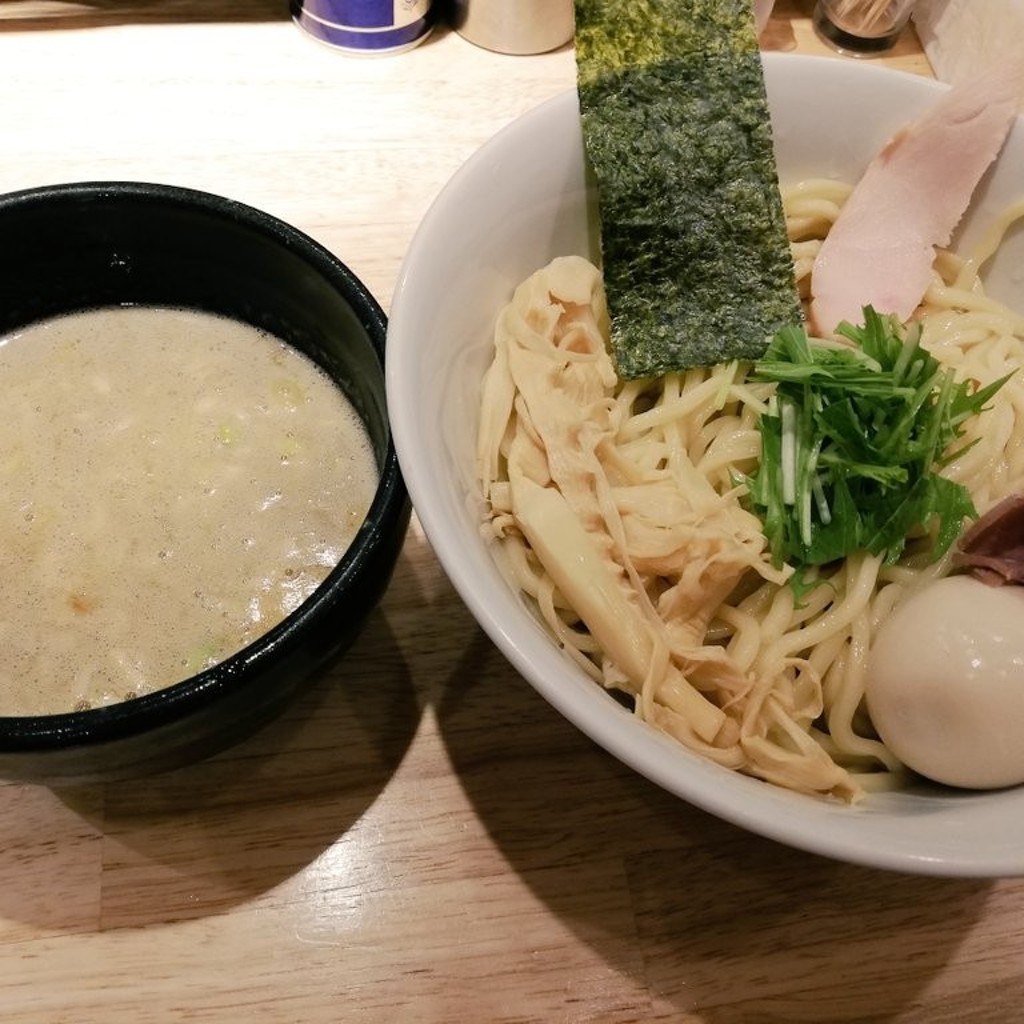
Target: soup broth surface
(174, 485)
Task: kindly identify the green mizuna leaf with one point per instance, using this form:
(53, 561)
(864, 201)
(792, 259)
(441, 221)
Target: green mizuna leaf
(853, 442)
(696, 261)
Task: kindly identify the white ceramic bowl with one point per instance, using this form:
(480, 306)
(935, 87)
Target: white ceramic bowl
(522, 200)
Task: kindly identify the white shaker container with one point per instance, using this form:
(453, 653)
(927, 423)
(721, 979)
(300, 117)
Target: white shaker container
(515, 26)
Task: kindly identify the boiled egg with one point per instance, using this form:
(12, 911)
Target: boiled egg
(945, 683)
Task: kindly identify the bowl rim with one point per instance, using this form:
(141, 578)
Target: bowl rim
(38, 734)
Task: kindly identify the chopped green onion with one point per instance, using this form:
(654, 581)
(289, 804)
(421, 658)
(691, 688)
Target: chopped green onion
(852, 442)
(788, 414)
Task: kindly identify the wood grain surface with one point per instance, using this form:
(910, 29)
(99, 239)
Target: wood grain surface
(420, 838)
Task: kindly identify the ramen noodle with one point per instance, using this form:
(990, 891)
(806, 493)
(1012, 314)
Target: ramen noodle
(617, 511)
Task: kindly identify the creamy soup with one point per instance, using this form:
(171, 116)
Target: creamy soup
(174, 484)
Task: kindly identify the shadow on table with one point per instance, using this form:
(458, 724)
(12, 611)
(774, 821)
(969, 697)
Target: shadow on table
(201, 839)
(700, 916)
(26, 15)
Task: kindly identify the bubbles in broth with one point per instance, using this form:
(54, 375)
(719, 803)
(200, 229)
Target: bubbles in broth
(176, 484)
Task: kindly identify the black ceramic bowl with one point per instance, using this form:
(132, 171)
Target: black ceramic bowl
(77, 246)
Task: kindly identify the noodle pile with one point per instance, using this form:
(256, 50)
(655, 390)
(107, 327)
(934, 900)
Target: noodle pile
(617, 509)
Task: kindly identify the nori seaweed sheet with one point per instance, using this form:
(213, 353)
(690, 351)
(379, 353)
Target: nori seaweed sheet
(695, 256)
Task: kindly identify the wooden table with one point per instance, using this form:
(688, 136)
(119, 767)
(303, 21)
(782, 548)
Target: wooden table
(421, 838)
